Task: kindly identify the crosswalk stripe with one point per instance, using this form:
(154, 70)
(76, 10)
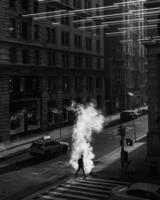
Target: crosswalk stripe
(85, 188)
(98, 183)
(91, 185)
(45, 197)
(72, 195)
(82, 192)
(109, 181)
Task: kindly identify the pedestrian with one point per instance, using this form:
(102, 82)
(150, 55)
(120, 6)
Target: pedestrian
(80, 166)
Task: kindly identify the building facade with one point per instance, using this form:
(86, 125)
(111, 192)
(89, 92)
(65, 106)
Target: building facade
(125, 56)
(153, 56)
(46, 62)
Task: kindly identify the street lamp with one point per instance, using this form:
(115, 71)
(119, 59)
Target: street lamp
(134, 127)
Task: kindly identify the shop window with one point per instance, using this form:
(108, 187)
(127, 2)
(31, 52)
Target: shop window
(13, 55)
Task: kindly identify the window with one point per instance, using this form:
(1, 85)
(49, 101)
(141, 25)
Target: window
(159, 25)
(78, 83)
(25, 5)
(37, 57)
(25, 30)
(25, 56)
(13, 55)
(65, 38)
(51, 35)
(89, 84)
(52, 83)
(66, 84)
(12, 3)
(88, 62)
(78, 61)
(88, 43)
(65, 60)
(98, 46)
(77, 41)
(36, 32)
(65, 2)
(51, 58)
(12, 27)
(88, 4)
(77, 3)
(65, 20)
(98, 83)
(98, 63)
(35, 6)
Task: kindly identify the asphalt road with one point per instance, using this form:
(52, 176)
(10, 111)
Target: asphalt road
(25, 174)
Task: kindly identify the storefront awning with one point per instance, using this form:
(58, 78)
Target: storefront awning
(55, 110)
(69, 108)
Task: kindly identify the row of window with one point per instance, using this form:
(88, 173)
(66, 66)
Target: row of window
(51, 35)
(67, 83)
(31, 84)
(51, 58)
(25, 4)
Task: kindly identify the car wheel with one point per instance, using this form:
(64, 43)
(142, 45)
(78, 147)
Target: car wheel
(64, 150)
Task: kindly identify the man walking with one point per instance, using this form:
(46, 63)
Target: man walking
(80, 166)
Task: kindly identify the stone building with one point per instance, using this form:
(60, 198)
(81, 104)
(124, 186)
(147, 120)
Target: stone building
(125, 56)
(153, 55)
(46, 62)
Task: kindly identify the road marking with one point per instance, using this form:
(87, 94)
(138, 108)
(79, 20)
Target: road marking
(82, 192)
(110, 181)
(85, 188)
(71, 195)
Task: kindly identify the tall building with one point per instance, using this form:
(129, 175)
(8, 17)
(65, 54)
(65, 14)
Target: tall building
(46, 62)
(125, 55)
(153, 55)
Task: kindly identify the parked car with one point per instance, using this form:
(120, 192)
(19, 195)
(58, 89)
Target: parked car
(137, 191)
(127, 115)
(47, 146)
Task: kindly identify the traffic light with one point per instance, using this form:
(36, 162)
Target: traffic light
(121, 142)
(121, 130)
(129, 142)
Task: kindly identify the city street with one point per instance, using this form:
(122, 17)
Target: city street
(34, 174)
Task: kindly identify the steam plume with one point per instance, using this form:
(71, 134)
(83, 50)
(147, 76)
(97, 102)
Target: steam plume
(88, 120)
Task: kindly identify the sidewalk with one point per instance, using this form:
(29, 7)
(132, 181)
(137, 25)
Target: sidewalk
(110, 165)
(19, 146)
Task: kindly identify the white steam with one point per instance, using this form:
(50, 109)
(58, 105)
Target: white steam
(88, 120)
